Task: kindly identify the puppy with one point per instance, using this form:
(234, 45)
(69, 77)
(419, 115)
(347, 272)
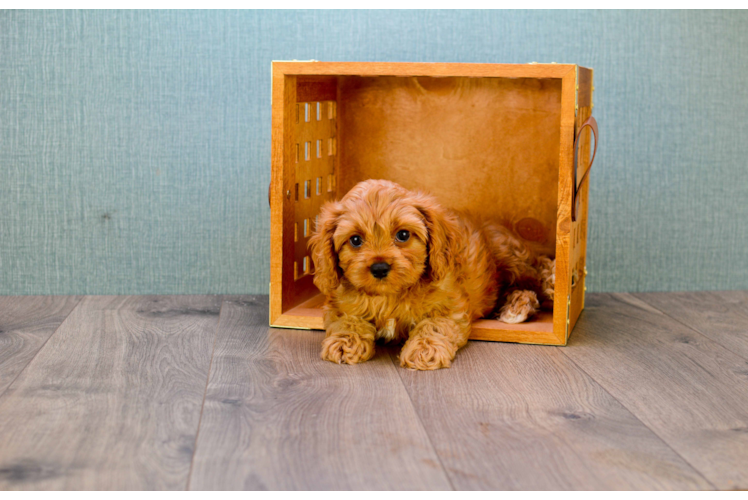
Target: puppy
(395, 265)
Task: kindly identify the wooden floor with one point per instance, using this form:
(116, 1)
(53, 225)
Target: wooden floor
(195, 392)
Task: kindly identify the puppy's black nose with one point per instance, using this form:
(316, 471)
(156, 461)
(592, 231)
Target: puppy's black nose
(380, 270)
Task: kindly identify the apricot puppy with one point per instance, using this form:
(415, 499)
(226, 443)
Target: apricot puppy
(395, 265)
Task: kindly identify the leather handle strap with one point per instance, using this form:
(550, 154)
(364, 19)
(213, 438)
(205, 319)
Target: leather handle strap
(592, 124)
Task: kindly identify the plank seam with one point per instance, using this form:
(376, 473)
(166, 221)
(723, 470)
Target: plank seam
(205, 394)
(697, 471)
(420, 421)
(43, 345)
(693, 328)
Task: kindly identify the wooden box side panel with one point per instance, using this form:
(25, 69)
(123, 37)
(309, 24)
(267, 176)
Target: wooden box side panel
(314, 154)
(281, 183)
(561, 303)
(304, 147)
(579, 228)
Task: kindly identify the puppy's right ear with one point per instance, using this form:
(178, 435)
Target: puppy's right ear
(327, 274)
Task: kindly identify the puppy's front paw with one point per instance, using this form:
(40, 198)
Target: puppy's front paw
(347, 348)
(520, 305)
(427, 353)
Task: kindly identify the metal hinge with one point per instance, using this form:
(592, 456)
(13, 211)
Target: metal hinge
(568, 316)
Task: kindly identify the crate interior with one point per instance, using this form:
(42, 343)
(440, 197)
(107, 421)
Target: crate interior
(489, 145)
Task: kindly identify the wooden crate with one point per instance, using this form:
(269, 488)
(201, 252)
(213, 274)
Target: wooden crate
(498, 138)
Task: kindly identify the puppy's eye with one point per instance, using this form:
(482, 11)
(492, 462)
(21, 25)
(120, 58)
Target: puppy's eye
(356, 241)
(402, 236)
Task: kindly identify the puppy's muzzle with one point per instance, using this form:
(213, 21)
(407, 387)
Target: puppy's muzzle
(380, 270)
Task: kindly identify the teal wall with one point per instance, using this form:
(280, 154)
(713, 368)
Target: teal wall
(135, 146)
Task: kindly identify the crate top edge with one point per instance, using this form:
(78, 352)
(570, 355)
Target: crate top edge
(319, 68)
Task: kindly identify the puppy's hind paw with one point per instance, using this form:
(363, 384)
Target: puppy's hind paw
(347, 348)
(547, 272)
(520, 305)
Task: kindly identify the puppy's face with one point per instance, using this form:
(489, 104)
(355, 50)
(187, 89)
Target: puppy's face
(381, 238)
(381, 242)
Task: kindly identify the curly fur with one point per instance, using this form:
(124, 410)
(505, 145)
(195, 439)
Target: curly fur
(452, 271)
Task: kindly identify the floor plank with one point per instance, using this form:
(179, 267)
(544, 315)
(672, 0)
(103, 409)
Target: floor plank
(278, 417)
(687, 388)
(112, 401)
(510, 416)
(721, 316)
(26, 323)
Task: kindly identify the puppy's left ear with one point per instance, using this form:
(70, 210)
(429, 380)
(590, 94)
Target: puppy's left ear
(327, 274)
(444, 254)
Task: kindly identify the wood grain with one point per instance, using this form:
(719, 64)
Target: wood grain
(278, 417)
(316, 88)
(312, 170)
(721, 316)
(440, 135)
(387, 128)
(282, 179)
(637, 400)
(113, 399)
(511, 417)
(26, 323)
(539, 330)
(561, 308)
(423, 69)
(585, 87)
(688, 389)
(578, 238)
